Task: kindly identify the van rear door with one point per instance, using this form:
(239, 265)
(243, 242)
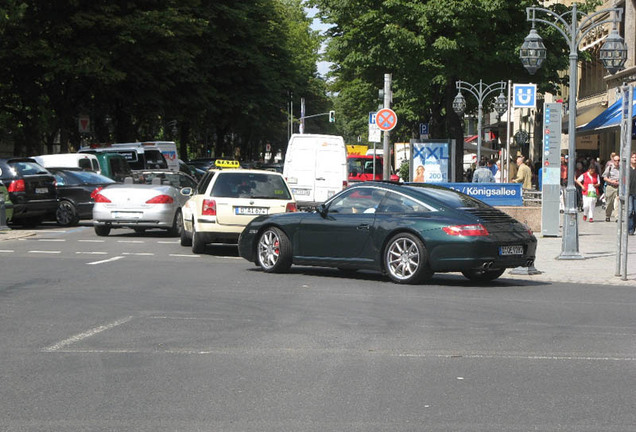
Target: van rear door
(330, 158)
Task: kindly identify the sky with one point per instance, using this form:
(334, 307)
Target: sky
(323, 67)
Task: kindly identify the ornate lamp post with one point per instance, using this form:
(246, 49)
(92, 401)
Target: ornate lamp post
(480, 92)
(613, 55)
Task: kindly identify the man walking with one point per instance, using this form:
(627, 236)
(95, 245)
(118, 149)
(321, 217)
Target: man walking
(611, 176)
(524, 175)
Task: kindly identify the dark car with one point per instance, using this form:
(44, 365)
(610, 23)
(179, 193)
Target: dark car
(31, 189)
(76, 189)
(408, 232)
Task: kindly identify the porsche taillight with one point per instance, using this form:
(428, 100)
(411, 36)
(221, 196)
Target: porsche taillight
(16, 186)
(161, 199)
(208, 208)
(476, 230)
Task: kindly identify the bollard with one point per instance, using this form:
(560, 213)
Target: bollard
(3, 215)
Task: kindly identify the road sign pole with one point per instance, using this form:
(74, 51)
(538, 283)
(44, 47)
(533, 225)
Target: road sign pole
(386, 164)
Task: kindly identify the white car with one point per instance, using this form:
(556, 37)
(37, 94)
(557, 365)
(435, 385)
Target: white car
(225, 201)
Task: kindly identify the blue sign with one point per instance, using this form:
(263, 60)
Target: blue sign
(524, 96)
(372, 118)
(494, 194)
(423, 128)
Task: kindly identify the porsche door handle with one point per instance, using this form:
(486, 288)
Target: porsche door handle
(363, 227)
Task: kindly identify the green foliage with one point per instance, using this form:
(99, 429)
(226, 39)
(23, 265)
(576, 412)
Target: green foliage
(223, 70)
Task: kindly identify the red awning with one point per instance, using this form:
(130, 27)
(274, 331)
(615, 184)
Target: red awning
(470, 139)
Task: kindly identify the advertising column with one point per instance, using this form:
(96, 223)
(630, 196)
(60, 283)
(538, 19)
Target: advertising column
(550, 170)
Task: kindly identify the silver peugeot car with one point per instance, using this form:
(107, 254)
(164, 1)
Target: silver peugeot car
(149, 200)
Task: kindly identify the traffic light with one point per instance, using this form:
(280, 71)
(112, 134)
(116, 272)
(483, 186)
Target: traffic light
(332, 116)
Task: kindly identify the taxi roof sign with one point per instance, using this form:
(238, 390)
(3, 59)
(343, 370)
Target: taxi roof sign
(222, 163)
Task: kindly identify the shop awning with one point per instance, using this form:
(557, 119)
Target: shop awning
(610, 118)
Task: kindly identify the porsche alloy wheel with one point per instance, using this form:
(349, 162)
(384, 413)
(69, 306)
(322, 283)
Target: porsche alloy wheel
(273, 251)
(406, 260)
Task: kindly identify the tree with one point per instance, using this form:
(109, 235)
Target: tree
(427, 46)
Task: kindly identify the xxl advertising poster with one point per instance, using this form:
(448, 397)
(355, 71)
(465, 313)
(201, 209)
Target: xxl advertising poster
(431, 161)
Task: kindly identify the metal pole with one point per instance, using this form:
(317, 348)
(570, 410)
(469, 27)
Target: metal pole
(386, 164)
(623, 189)
(302, 116)
(507, 137)
(570, 244)
(480, 110)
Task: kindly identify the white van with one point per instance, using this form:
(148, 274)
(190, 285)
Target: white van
(315, 167)
(169, 152)
(69, 160)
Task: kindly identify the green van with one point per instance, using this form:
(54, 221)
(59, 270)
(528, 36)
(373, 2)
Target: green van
(113, 165)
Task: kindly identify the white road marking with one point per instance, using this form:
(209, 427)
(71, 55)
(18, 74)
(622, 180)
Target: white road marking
(185, 256)
(87, 334)
(105, 261)
(6, 251)
(138, 253)
(51, 240)
(92, 241)
(92, 253)
(44, 252)
(167, 242)
(130, 241)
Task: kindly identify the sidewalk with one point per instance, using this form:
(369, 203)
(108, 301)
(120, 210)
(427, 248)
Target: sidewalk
(598, 246)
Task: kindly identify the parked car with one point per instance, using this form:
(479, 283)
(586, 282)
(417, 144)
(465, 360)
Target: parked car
(155, 203)
(225, 200)
(8, 205)
(137, 155)
(31, 189)
(408, 232)
(75, 190)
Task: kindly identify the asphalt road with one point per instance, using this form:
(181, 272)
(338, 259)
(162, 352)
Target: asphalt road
(134, 333)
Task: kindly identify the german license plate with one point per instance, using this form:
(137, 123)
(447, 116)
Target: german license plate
(127, 215)
(250, 210)
(511, 250)
(300, 191)
(41, 190)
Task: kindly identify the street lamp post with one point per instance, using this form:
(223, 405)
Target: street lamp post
(613, 54)
(480, 92)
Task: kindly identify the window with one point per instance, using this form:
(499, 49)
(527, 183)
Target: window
(357, 200)
(396, 203)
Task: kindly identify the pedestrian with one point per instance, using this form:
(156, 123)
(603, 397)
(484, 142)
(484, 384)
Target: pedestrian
(589, 183)
(611, 175)
(492, 166)
(524, 174)
(483, 174)
(501, 176)
(580, 170)
(631, 198)
(513, 169)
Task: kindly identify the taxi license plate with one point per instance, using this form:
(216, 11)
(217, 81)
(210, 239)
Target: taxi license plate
(511, 250)
(250, 210)
(300, 191)
(41, 190)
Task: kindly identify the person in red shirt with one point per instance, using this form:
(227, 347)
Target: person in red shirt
(589, 183)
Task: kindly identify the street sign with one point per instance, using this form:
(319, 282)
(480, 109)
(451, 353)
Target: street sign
(84, 124)
(524, 96)
(386, 119)
(375, 135)
(423, 128)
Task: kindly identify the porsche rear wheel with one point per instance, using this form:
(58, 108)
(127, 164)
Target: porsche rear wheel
(406, 259)
(273, 251)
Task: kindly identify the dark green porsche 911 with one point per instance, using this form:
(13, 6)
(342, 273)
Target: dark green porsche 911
(408, 232)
